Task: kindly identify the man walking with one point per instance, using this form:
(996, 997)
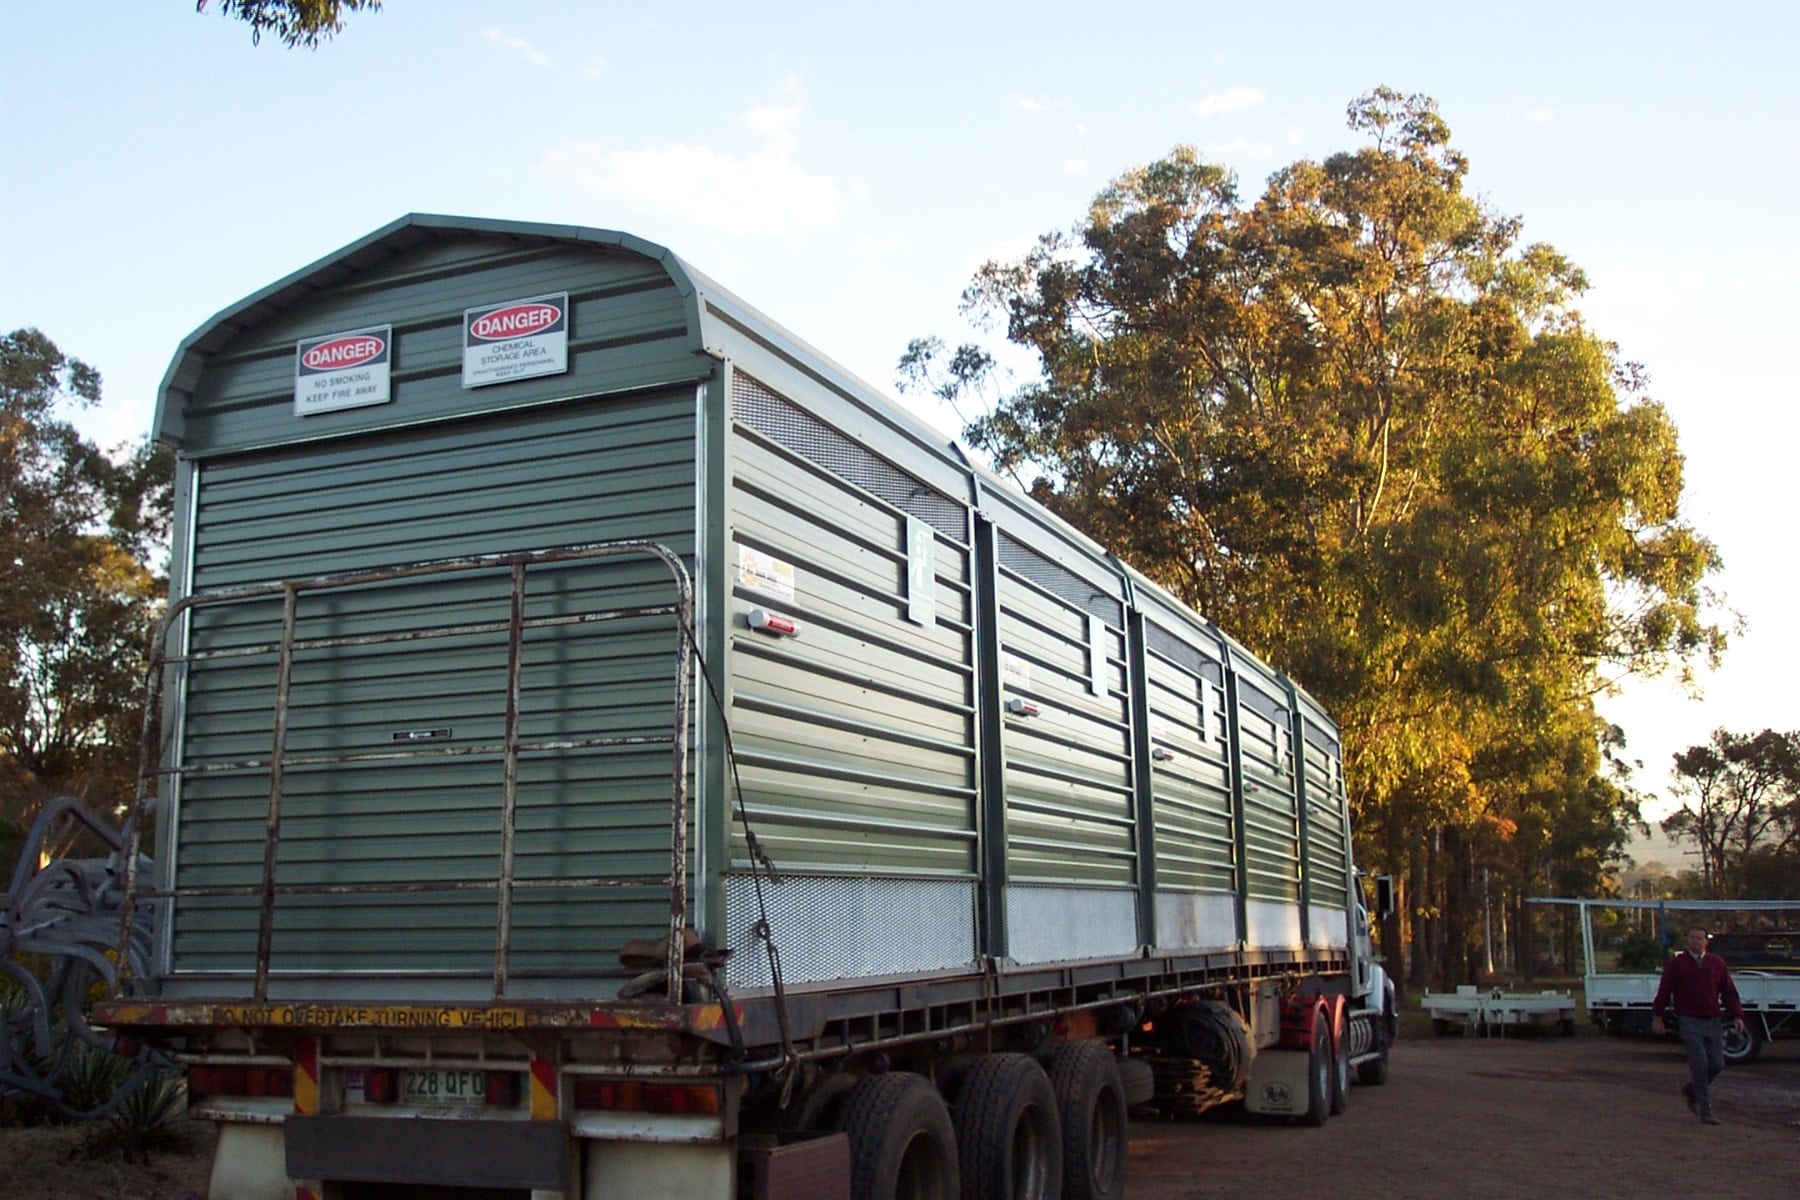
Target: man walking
(1699, 986)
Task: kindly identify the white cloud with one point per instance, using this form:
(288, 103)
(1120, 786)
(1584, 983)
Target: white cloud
(595, 67)
(773, 124)
(763, 192)
(1226, 101)
(1081, 127)
(1238, 148)
(1025, 103)
(1075, 164)
(518, 46)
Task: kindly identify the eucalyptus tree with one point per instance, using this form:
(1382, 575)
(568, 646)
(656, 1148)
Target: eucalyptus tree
(80, 530)
(1741, 809)
(298, 23)
(1359, 421)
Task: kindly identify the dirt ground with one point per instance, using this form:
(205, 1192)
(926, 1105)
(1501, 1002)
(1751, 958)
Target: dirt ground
(75, 1163)
(1589, 1116)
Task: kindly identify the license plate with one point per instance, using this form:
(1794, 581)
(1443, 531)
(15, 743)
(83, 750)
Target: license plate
(443, 1087)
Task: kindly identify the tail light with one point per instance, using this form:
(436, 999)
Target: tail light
(257, 1082)
(381, 1085)
(671, 1099)
(502, 1088)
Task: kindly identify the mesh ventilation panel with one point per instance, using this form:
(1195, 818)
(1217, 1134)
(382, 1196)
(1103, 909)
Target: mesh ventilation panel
(787, 425)
(1059, 581)
(837, 927)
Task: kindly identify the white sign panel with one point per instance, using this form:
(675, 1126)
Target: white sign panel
(1015, 672)
(343, 370)
(518, 339)
(765, 573)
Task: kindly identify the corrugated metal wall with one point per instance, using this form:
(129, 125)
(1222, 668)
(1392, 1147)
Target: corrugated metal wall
(1069, 767)
(1271, 819)
(1327, 820)
(854, 739)
(617, 468)
(1196, 838)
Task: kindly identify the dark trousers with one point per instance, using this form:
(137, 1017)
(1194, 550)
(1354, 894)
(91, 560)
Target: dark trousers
(1704, 1040)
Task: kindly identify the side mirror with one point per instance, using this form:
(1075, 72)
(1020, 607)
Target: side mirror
(1384, 895)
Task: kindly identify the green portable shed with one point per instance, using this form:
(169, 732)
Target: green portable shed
(958, 729)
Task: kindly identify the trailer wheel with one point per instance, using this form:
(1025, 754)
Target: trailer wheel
(902, 1146)
(1742, 1048)
(1340, 1063)
(1318, 1073)
(1090, 1098)
(1008, 1137)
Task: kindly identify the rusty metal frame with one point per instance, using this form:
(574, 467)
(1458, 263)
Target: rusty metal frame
(144, 804)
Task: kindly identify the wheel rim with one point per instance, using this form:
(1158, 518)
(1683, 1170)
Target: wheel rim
(1106, 1141)
(921, 1173)
(1030, 1157)
(1736, 1044)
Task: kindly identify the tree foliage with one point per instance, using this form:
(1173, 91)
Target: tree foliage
(78, 529)
(1360, 423)
(296, 22)
(1742, 812)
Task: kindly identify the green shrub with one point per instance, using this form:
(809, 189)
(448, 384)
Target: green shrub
(147, 1120)
(1640, 953)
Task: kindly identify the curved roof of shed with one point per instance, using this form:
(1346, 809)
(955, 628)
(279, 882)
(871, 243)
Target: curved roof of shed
(704, 299)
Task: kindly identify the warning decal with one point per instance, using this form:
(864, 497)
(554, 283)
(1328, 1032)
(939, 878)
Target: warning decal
(517, 339)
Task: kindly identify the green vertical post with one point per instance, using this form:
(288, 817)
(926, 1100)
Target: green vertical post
(990, 755)
(1143, 816)
(714, 802)
(1297, 741)
(1235, 758)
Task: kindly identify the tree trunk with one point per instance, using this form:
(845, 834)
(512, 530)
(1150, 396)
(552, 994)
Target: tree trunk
(1417, 910)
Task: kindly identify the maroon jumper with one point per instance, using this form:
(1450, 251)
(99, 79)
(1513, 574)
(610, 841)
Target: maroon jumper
(1696, 986)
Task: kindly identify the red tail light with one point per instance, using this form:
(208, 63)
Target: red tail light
(672, 1099)
(381, 1085)
(241, 1081)
(502, 1088)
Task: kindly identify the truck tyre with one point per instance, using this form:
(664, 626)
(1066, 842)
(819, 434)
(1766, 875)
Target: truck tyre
(1742, 1048)
(1008, 1136)
(1340, 1060)
(1084, 1077)
(902, 1146)
(1318, 1072)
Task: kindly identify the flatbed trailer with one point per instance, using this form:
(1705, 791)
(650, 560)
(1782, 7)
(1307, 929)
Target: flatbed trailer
(1769, 989)
(607, 750)
(1491, 1012)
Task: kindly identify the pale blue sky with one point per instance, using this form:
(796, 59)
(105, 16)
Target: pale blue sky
(844, 168)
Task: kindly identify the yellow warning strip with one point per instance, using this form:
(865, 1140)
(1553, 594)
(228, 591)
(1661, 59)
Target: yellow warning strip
(543, 1090)
(306, 1077)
